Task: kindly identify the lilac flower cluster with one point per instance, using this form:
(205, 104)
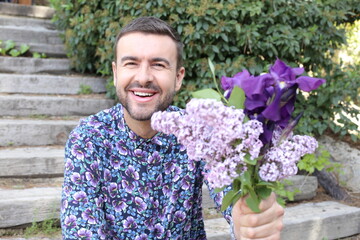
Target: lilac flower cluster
(280, 160)
(216, 134)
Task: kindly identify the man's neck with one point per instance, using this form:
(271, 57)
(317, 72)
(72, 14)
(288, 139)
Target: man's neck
(141, 128)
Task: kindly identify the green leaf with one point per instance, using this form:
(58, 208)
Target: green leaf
(24, 48)
(228, 199)
(249, 161)
(14, 52)
(207, 93)
(253, 201)
(9, 44)
(237, 98)
(263, 192)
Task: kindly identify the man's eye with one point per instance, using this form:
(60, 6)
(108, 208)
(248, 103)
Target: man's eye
(130, 64)
(159, 65)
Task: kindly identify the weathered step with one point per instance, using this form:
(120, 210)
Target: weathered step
(323, 220)
(307, 185)
(24, 105)
(32, 132)
(26, 11)
(19, 207)
(19, 21)
(34, 65)
(49, 84)
(39, 39)
(32, 161)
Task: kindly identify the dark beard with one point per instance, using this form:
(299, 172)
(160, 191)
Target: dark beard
(160, 106)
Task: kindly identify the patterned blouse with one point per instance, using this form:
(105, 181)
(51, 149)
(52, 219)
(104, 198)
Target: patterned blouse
(118, 185)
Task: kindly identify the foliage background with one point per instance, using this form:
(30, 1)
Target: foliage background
(242, 34)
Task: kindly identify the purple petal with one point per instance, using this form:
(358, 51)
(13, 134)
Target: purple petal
(308, 84)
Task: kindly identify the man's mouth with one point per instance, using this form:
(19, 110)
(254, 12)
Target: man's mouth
(143, 94)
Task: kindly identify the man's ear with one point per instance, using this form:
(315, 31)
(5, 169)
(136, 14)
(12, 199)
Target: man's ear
(113, 65)
(179, 78)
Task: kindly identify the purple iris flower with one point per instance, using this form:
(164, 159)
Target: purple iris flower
(270, 98)
(84, 234)
(120, 146)
(107, 175)
(112, 188)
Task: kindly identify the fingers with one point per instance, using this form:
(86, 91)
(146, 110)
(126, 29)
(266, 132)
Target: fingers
(264, 225)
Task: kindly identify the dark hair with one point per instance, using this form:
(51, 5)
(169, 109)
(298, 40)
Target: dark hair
(153, 25)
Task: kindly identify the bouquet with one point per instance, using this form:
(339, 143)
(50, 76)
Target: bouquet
(245, 135)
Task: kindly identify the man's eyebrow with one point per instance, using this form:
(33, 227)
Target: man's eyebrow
(160, 59)
(127, 58)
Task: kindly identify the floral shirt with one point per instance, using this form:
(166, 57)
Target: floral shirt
(118, 185)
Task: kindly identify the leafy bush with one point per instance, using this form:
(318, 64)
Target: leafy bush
(247, 34)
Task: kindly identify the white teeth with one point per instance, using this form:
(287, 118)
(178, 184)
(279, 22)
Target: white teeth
(143, 94)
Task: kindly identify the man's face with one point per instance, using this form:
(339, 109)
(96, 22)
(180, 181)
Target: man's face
(145, 74)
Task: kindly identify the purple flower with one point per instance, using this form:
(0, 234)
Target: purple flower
(128, 185)
(158, 230)
(129, 222)
(121, 147)
(131, 172)
(107, 175)
(76, 178)
(115, 162)
(91, 178)
(69, 165)
(84, 234)
(142, 237)
(88, 216)
(154, 158)
(179, 216)
(80, 196)
(112, 189)
(270, 97)
(119, 205)
(64, 205)
(140, 204)
(77, 152)
(70, 221)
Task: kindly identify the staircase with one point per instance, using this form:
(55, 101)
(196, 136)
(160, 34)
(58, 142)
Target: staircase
(40, 105)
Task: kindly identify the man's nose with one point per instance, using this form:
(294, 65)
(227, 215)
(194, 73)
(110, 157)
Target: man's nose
(144, 74)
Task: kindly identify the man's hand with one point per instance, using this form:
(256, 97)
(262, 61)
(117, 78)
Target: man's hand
(264, 225)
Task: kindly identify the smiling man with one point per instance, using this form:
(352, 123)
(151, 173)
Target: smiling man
(124, 180)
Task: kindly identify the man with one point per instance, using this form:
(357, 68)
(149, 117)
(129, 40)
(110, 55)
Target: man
(123, 180)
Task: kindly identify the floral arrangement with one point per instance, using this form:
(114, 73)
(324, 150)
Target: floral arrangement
(245, 134)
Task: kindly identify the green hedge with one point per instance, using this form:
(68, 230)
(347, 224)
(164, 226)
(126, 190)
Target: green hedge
(234, 34)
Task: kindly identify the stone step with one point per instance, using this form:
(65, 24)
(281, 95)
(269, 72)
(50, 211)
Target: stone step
(19, 207)
(33, 132)
(49, 84)
(19, 21)
(27, 65)
(25, 105)
(44, 161)
(26, 10)
(25, 34)
(39, 40)
(323, 220)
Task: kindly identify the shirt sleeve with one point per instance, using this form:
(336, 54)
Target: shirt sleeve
(218, 197)
(82, 216)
